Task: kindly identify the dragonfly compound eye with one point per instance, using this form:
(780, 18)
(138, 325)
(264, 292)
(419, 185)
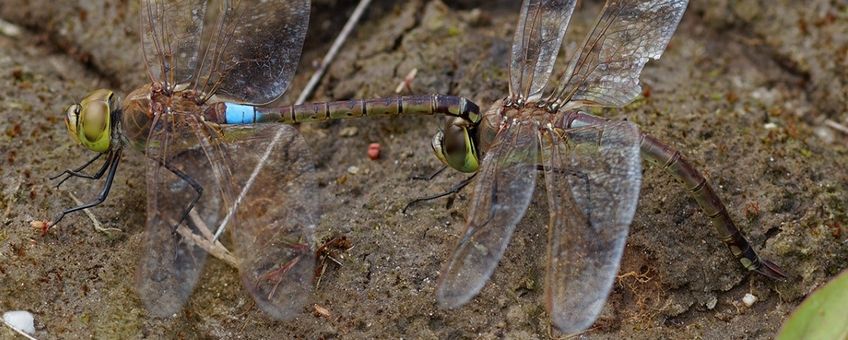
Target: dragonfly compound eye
(72, 121)
(455, 148)
(93, 125)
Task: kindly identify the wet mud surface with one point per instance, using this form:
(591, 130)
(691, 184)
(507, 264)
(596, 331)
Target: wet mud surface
(749, 91)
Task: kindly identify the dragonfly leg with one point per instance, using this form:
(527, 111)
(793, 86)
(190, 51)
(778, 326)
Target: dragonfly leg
(453, 190)
(430, 176)
(68, 173)
(673, 162)
(198, 189)
(114, 159)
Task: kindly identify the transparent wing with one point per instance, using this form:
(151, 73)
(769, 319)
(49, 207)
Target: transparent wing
(592, 176)
(541, 27)
(184, 170)
(255, 50)
(277, 214)
(504, 188)
(627, 34)
(170, 38)
(265, 173)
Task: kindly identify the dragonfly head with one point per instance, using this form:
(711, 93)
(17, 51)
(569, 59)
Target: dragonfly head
(89, 122)
(455, 145)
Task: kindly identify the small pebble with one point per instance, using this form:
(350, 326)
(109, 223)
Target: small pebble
(349, 131)
(321, 311)
(749, 299)
(353, 170)
(374, 151)
(711, 303)
(21, 320)
(9, 29)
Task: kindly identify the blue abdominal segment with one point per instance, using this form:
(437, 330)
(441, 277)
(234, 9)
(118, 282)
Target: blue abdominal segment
(241, 114)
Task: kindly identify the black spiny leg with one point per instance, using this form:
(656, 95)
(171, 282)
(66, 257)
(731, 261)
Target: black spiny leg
(453, 190)
(194, 185)
(430, 176)
(113, 159)
(76, 172)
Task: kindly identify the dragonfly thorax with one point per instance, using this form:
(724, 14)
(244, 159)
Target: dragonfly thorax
(143, 105)
(527, 113)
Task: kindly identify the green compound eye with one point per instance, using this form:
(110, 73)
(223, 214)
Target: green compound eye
(455, 148)
(90, 122)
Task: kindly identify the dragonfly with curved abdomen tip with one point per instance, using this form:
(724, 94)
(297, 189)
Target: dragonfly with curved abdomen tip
(215, 152)
(591, 165)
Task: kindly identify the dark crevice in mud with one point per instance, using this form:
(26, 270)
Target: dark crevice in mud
(472, 4)
(47, 38)
(369, 270)
(755, 47)
(784, 62)
(691, 312)
(741, 34)
(396, 44)
(770, 233)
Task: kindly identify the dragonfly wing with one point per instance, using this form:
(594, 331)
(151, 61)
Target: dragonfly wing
(541, 27)
(502, 193)
(170, 38)
(254, 53)
(592, 176)
(627, 34)
(277, 214)
(181, 158)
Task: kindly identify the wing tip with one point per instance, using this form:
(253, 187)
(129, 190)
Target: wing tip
(162, 303)
(449, 296)
(571, 324)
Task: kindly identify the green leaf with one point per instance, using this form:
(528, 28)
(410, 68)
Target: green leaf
(823, 315)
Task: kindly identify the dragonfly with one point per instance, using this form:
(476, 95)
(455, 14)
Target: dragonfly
(218, 149)
(591, 165)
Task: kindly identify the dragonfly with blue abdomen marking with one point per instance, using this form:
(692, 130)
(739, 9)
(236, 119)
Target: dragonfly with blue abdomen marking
(592, 166)
(216, 151)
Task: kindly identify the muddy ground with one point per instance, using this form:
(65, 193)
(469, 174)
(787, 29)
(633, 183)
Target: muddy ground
(752, 91)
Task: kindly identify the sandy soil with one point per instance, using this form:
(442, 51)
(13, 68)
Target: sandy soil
(747, 89)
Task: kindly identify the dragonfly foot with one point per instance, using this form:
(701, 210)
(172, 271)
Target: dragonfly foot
(454, 190)
(428, 177)
(45, 226)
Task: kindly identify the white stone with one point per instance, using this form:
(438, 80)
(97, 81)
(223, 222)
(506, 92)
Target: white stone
(749, 299)
(711, 303)
(21, 320)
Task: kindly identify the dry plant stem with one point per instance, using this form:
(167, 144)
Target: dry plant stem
(97, 226)
(334, 50)
(406, 83)
(214, 248)
(836, 126)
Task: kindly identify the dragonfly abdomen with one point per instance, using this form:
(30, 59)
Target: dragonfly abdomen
(699, 188)
(417, 105)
